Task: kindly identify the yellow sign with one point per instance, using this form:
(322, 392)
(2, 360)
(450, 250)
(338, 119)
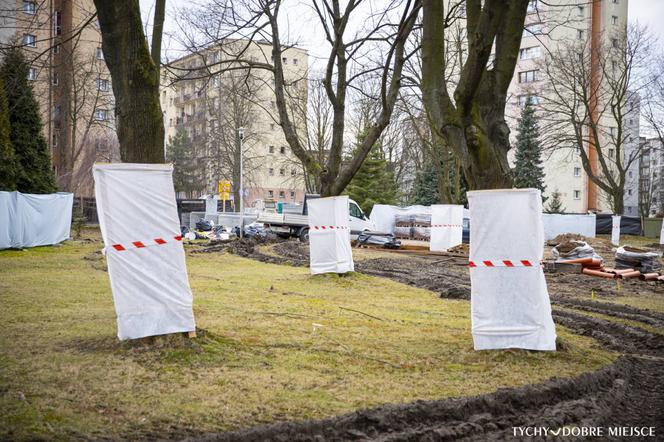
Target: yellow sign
(224, 189)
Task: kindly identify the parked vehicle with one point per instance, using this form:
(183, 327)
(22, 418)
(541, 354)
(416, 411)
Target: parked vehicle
(297, 224)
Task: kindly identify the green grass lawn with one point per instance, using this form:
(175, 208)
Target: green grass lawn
(276, 344)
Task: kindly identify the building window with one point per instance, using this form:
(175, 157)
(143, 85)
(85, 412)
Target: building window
(270, 194)
(615, 2)
(56, 79)
(284, 60)
(54, 142)
(57, 23)
(32, 74)
(533, 29)
(271, 149)
(282, 172)
(271, 126)
(293, 172)
(270, 171)
(529, 53)
(611, 152)
(56, 49)
(577, 194)
(614, 42)
(577, 171)
(534, 99)
(614, 19)
(100, 54)
(532, 5)
(292, 194)
(282, 150)
(581, 11)
(580, 34)
(528, 76)
(630, 174)
(612, 131)
(282, 194)
(30, 40)
(101, 114)
(295, 61)
(30, 7)
(102, 85)
(629, 191)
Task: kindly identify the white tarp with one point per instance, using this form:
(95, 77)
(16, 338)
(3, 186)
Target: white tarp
(559, 223)
(661, 233)
(383, 215)
(446, 226)
(615, 230)
(31, 220)
(510, 305)
(329, 236)
(146, 262)
(211, 205)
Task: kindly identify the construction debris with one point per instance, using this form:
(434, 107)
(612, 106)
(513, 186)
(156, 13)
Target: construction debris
(643, 260)
(572, 250)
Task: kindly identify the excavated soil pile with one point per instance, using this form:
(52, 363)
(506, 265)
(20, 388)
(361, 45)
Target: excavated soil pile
(566, 237)
(629, 392)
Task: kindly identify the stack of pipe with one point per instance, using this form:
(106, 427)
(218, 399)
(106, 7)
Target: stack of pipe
(593, 267)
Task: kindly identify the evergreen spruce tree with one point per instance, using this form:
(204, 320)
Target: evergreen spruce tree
(374, 182)
(528, 170)
(556, 204)
(8, 164)
(179, 151)
(32, 153)
(425, 190)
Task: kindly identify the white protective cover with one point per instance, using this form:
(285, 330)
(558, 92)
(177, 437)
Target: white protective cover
(615, 230)
(383, 215)
(329, 236)
(446, 226)
(661, 233)
(510, 306)
(31, 220)
(136, 203)
(559, 223)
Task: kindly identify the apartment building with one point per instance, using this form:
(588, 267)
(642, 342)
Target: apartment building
(210, 107)
(550, 26)
(62, 43)
(651, 176)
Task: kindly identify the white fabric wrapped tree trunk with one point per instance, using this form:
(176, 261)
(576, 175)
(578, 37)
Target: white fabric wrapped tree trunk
(30, 220)
(615, 230)
(146, 262)
(446, 226)
(329, 236)
(509, 298)
(661, 233)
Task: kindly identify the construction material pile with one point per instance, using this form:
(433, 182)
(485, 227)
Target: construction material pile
(413, 226)
(633, 258)
(577, 256)
(574, 250)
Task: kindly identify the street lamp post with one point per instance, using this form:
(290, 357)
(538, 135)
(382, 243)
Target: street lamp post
(240, 133)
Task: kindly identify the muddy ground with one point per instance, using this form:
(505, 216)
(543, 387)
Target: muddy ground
(629, 392)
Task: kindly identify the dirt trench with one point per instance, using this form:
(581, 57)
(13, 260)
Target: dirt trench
(629, 392)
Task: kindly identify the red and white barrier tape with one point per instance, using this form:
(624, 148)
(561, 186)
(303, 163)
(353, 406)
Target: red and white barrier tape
(328, 227)
(447, 225)
(143, 244)
(503, 263)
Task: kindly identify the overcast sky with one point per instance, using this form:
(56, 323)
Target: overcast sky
(304, 29)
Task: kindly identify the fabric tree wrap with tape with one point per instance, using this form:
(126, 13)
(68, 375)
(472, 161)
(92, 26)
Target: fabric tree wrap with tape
(446, 226)
(329, 236)
(510, 305)
(146, 262)
(615, 230)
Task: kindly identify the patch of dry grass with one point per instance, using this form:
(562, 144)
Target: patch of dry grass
(277, 344)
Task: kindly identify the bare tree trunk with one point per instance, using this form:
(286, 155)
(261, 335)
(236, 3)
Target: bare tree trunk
(157, 32)
(473, 122)
(135, 77)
